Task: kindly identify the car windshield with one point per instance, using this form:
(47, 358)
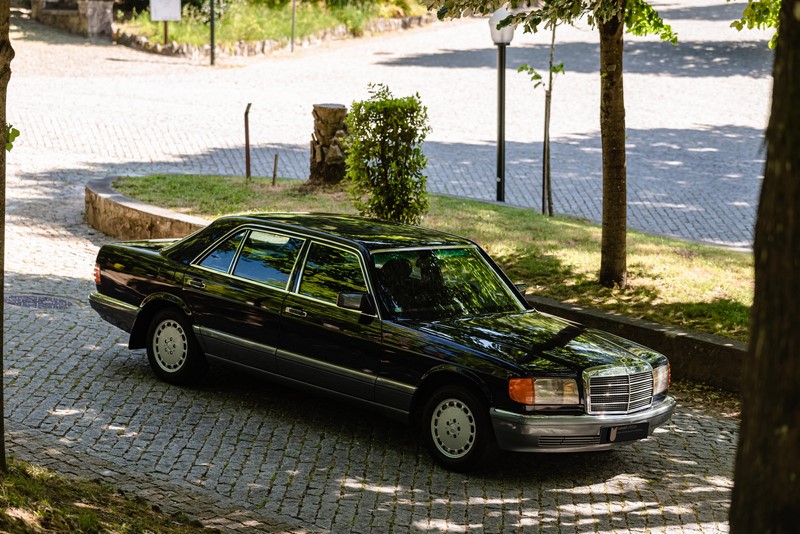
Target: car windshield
(434, 284)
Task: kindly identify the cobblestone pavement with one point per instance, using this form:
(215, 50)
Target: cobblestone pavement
(252, 456)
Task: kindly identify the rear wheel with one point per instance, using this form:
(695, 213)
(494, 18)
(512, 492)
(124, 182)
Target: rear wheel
(173, 351)
(456, 428)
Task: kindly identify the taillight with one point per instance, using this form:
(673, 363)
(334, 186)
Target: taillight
(97, 273)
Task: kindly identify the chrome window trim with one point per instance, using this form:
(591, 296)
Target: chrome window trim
(421, 247)
(361, 264)
(249, 229)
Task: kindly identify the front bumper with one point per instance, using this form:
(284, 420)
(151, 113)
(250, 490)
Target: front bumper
(575, 433)
(120, 314)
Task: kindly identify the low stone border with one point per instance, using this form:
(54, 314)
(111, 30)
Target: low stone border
(255, 48)
(705, 358)
(694, 356)
(124, 218)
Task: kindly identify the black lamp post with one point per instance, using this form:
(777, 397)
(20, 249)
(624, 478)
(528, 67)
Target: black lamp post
(502, 37)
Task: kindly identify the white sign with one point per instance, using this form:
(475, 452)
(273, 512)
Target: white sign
(165, 10)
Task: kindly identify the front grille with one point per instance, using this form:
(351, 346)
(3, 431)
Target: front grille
(620, 394)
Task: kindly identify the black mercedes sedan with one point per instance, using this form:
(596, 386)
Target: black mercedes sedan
(416, 323)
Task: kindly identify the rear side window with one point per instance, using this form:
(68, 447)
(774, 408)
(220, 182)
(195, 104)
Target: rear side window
(221, 257)
(330, 271)
(268, 258)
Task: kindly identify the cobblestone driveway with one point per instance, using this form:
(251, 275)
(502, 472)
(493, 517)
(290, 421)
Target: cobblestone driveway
(253, 456)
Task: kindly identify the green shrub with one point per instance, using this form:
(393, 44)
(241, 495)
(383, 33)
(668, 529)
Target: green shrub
(384, 156)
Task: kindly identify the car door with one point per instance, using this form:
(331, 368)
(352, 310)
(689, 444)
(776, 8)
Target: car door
(323, 344)
(235, 292)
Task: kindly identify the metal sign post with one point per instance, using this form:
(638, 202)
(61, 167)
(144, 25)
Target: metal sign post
(165, 10)
(247, 142)
(213, 44)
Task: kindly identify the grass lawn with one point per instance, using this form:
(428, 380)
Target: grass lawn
(687, 285)
(33, 499)
(255, 21)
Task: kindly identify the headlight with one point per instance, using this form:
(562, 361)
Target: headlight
(661, 379)
(544, 390)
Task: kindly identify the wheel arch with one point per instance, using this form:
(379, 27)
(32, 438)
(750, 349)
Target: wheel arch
(149, 308)
(447, 376)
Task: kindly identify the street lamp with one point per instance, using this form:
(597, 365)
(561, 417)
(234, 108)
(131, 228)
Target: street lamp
(502, 37)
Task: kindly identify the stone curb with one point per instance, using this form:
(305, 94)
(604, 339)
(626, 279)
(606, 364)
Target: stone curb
(713, 360)
(698, 357)
(124, 218)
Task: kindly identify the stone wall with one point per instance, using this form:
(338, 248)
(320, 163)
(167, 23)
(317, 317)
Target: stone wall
(694, 356)
(254, 48)
(124, 218)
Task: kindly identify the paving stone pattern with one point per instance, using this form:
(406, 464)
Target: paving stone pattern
(245, 455)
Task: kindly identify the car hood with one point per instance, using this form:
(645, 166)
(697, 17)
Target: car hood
(540, 342)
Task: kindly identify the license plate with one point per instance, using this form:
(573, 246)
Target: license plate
(616, 434)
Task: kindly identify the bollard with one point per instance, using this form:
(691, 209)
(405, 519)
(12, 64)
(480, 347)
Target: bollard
(247, 143)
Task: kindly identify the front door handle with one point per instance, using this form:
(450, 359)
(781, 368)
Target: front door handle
(297, 312)
(194, 282)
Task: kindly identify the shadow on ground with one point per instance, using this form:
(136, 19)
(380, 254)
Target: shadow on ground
(687, 58)
(670, 189)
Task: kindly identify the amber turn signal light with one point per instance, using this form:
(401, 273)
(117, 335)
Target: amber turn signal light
(521, 390)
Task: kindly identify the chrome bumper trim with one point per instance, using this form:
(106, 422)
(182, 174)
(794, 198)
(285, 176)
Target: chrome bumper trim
(570, 433)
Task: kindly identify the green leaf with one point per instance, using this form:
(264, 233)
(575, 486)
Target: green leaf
(12, 134)
(762, 15)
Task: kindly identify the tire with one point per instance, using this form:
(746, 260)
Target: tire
(173, 351)
(456, 429)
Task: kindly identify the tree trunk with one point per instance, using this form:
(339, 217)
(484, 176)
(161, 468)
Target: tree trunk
(6, 55)
(327, 152)
(613, 270)
(766, 495)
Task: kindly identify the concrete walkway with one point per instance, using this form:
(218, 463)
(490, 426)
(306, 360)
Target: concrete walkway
(252, 456)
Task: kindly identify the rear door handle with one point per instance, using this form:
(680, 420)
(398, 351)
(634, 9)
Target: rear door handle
(194, 282)
(297, 312)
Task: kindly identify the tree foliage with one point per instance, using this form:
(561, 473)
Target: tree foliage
(11, 134)
(640, 17)
(385, 162)
(762, 15)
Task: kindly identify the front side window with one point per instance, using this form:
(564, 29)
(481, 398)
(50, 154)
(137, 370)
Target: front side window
(268, 258)
(330, 271)
(432, 284)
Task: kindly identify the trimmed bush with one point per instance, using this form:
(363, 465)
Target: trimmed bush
(385, 162)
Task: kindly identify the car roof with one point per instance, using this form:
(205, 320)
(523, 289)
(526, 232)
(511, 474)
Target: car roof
(373, 234)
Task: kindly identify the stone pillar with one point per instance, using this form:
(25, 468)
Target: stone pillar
(99, 15)
(327, 150)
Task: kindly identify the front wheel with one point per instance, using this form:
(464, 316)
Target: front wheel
(456, 428)
(173, 351)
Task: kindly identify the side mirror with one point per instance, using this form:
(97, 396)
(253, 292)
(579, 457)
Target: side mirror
(522, 288)
(356, 301)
